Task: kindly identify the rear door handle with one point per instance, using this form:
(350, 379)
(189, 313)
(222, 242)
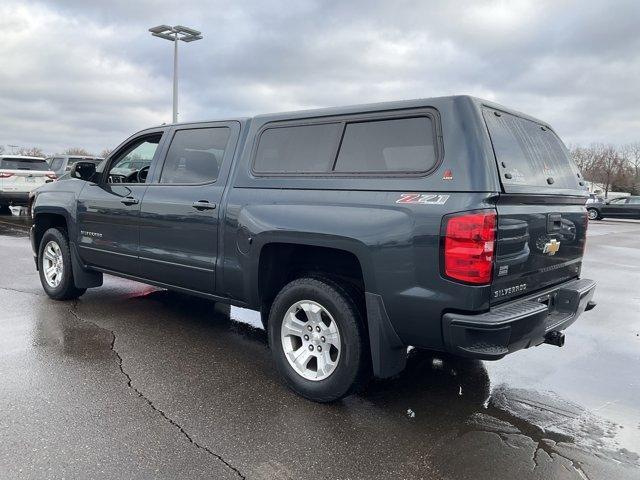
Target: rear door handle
(130, 201)
(203, 205)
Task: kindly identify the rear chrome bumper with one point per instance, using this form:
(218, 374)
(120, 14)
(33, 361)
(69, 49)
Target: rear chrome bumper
(518, 324)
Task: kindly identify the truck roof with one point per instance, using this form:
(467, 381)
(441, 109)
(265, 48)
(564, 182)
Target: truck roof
(370, 107)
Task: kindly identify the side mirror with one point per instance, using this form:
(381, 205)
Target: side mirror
(83, 171)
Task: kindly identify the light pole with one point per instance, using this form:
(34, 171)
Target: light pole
(174, 34)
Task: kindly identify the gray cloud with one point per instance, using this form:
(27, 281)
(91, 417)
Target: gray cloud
(88, 73)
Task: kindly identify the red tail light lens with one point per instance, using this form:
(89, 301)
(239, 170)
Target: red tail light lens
(5, 175)
(468, 247)
(52, 176)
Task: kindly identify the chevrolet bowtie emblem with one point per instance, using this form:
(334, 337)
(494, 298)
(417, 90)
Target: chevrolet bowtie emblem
(551, 247)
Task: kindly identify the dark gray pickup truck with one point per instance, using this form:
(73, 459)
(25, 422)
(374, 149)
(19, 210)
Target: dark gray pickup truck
(450, 224)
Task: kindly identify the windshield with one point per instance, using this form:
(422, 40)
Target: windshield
(529, 154)
(23, 164)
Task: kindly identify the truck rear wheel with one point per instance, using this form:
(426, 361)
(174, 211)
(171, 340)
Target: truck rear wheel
(318, 339)
(54, 266)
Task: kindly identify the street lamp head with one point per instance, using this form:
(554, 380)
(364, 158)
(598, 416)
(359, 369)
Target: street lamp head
(166, 36)
(191, 38)
(187, 30)
(161, 29)
(179, 32)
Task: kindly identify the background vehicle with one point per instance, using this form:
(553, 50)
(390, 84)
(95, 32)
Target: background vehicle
(19, 174)
(450, 224)
(61, 164)
(625, 207)
(593, 198)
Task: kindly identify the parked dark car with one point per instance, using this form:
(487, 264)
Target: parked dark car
(450, 224)
(625, 207)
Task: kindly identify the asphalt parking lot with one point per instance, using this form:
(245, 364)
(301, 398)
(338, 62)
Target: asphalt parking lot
(135, 382)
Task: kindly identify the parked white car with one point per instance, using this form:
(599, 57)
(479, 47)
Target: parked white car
(19, 175)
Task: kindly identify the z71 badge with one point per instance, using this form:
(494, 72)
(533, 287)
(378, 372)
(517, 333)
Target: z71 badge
(424, 199)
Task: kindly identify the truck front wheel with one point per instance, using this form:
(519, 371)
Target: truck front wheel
(54, 266)
(318, 339)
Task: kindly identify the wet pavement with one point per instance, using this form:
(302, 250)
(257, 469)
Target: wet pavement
(135, 382)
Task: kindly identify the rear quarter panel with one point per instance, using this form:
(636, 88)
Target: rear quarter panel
(397, 244)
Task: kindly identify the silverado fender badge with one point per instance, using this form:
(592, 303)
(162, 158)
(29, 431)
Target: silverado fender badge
(424, 199)
(551, 247)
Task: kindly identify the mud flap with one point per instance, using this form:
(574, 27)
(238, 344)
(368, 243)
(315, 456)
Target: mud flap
(83, 278)
(388, 353)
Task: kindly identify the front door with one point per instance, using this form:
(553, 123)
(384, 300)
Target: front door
(180, 211)
(109, 209)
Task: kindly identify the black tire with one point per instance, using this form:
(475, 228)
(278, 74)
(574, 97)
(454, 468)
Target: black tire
(66, 289)
(353, 365)
(594, 214)
(5, 210)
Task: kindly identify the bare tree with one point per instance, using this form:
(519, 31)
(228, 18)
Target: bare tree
(631, 154)
(606, 164)
(77, 151)
(1, 149)
(105, 153)
(31, 152)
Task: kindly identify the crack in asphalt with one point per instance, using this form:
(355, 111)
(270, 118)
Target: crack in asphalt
(8, 289)
(148, 401)
(541, 438)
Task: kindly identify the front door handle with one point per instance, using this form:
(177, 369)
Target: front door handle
(130, 201)
(203, 205)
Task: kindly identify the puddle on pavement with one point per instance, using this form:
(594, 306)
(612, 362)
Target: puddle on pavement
(71, 336)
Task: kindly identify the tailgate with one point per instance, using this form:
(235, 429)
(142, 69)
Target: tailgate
(24, 180)
(538, 245)
(541, 216)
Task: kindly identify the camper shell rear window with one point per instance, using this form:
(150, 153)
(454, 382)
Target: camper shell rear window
(530, 155)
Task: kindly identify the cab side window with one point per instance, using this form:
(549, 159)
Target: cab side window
(195, 156)
(132, 165)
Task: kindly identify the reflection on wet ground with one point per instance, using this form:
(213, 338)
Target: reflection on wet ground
(136, 382)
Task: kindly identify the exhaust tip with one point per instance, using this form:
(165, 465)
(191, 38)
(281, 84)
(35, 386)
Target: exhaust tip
(554, 338)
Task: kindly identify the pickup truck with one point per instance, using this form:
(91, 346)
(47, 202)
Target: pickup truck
(452, 224)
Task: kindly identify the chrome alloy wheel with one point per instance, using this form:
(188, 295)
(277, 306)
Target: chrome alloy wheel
(592, 213)
(52, 264)
(311, 340)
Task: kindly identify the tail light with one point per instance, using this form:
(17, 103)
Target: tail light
(6, 175)
(469, 243)
(51, 176)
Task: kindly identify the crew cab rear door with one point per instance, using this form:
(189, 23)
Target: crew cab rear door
(181, 208)
(541, 216)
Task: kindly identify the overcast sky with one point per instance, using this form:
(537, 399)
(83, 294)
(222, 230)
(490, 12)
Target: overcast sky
(73, 74)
